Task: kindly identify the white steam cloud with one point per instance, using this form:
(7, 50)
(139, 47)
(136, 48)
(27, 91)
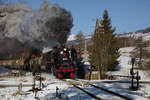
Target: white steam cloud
(45, 27)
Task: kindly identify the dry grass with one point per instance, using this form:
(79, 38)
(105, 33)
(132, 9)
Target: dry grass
(11, 74)
(2, 95)
(1, 79)
(6, 75)
(38, 78)
(95, 76)
(16, 93)
(110, 77)
(23, 80)
(140, 68)
(87, 76)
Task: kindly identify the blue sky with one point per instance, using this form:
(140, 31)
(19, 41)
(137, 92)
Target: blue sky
(126, 15)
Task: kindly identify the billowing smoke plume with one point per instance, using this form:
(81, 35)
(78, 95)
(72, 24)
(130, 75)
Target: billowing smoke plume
(45, 27)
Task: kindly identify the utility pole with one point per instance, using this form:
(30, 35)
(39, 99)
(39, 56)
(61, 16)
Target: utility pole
(97, 32)
(132, 72)
(85, 45)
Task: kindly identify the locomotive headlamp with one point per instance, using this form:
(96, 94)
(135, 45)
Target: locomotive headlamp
(65, 49)
(61, 52)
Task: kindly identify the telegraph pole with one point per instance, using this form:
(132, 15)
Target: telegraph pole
(97, 32)
(85, 45)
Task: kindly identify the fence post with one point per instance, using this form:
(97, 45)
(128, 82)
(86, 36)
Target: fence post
(57, 91)
(138, 78)
(20, 88)
(132, 73)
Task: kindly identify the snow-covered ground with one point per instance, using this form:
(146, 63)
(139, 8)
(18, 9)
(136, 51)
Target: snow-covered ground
(124, 69)
(48, 89)
(124, 62)
(125, 65)
(4, 70)
(67, 91)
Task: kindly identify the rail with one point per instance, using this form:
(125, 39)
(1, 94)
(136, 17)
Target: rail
(85, 91)
(109, 91)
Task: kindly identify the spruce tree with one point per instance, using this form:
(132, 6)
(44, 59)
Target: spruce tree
(104, 51)
(109, 44)
(95, 51)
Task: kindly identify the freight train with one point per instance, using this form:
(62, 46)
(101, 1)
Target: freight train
(62, 62)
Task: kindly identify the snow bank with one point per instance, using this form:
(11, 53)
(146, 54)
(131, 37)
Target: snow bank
(4, 70)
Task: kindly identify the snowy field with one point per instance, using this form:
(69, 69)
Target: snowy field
(68, 92)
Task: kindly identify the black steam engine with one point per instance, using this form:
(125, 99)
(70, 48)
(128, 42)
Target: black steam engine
(62, 62)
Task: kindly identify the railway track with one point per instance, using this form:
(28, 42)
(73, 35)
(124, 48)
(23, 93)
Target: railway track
(76, 84)
(122, 76)
(15, 85)
(85, 91)
(141, 82)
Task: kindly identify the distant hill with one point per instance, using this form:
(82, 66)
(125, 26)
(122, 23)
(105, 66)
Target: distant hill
(144, 30)
(144, 33)
(72, 38)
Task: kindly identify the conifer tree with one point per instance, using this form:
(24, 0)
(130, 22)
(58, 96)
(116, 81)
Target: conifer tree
(104, 51)
(109, 43)
(95, 51)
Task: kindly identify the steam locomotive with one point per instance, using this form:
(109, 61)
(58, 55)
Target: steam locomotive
(62, 62)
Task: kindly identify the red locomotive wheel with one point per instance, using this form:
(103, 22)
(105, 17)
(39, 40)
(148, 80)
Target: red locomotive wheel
(64, 70)
(72, 75)
(60, 75)
(69, 70)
